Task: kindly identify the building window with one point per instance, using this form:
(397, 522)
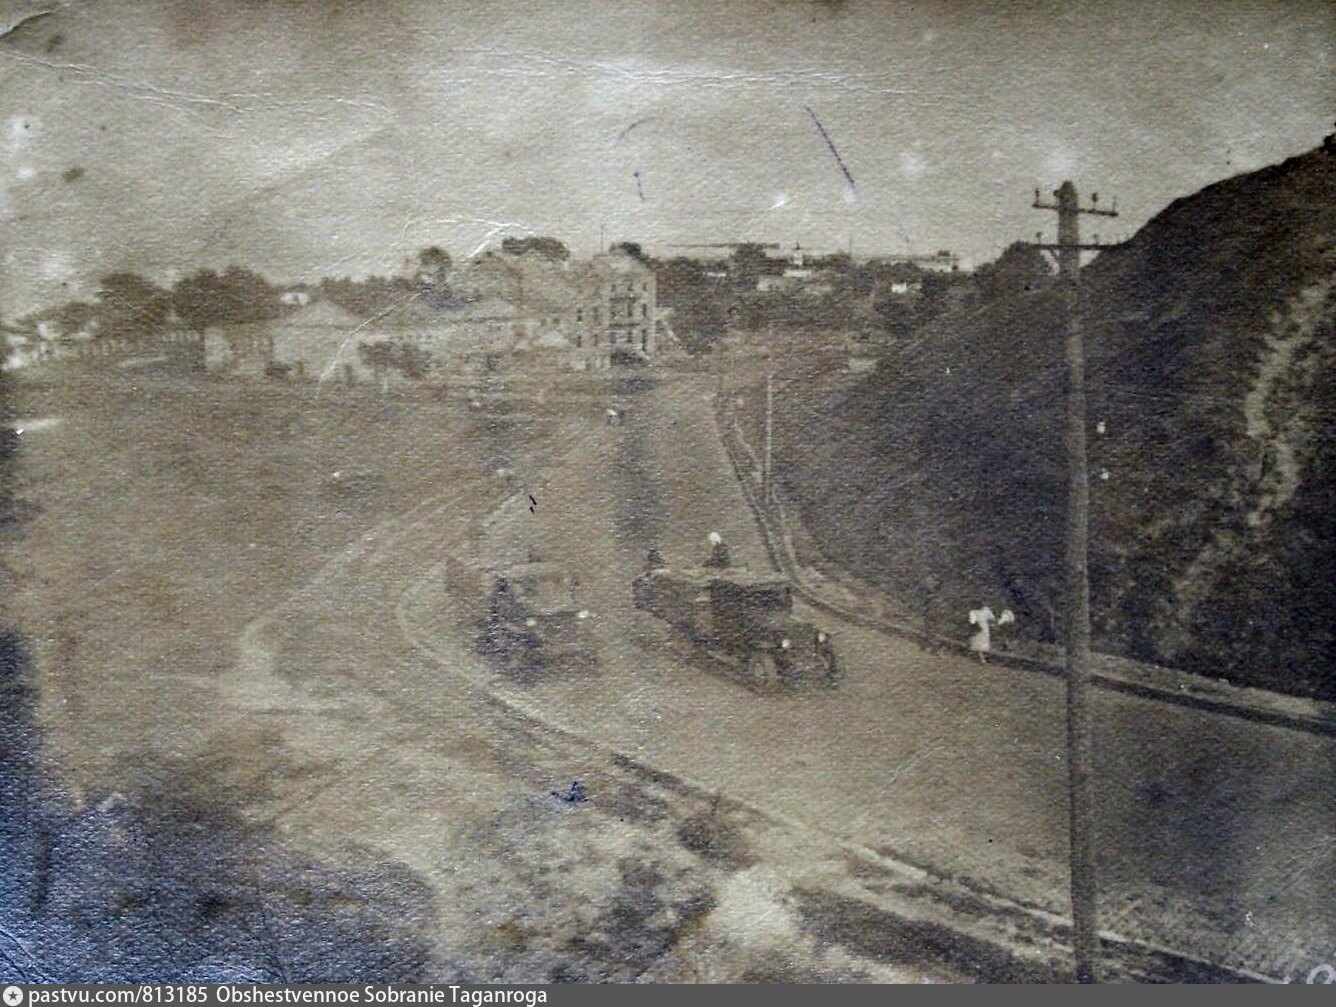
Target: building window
(644, 311)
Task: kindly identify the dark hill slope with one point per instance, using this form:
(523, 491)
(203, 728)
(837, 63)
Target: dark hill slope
(1211, 348)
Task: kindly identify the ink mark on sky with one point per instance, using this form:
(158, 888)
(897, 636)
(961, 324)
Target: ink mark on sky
(640, 189)
(853, 186)
(639, 122)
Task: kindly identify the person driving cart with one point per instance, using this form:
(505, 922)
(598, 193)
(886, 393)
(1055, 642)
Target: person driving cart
(719, 557)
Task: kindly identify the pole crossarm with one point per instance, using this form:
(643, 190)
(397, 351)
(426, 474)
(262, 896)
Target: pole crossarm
(1067, 203)
(1091, 211)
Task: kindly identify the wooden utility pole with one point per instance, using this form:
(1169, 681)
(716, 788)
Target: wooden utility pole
(767, 479)
(1076, 630)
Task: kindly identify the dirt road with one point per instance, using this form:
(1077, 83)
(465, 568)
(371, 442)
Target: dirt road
(1215, 833)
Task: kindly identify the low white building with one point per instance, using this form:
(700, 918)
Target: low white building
(315, 341)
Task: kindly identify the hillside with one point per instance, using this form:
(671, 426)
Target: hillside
(1212, 442)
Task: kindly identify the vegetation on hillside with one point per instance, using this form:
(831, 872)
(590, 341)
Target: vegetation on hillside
(1211, 363)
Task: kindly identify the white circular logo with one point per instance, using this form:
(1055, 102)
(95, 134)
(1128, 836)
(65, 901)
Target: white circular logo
(1323, 975)
(13, 996)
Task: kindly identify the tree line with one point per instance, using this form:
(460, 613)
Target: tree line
(128, 305)
(707, 297)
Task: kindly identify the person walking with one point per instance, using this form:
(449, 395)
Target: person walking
(1007, 618)
(981, 642)
(825, 650)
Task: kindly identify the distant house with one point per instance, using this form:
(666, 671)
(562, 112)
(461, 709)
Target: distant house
(320, 342)
(27, 344)
(237, 350)
(458, 336)
(18, 349)
(797, 279)
(526, 308)
(314, 341)
(587, 315)
(617, 315)
(944, 261)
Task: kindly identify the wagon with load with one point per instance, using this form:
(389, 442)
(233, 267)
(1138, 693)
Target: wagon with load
(741, 619)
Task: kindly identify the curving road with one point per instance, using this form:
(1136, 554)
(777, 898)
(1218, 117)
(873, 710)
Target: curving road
(358, 714)
(1216, 834)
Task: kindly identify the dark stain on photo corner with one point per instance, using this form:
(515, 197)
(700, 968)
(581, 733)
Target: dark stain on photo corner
(170, 881)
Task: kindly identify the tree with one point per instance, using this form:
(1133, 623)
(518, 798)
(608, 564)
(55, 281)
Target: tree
(68, 318)
(748, 263)
(433, 275)
(837, 262)
(372, 296)
(434, 259)
(699, 306)
(131, 306)
(1020, 269)
(549, 248)
(235, 296)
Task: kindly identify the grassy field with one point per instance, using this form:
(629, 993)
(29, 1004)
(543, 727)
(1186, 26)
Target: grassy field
(170, 512)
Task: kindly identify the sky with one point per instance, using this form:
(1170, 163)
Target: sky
(306, 138)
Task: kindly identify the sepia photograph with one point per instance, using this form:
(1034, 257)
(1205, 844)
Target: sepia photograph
(666, 492)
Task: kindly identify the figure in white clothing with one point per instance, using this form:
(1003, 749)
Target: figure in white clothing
(982, 640)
